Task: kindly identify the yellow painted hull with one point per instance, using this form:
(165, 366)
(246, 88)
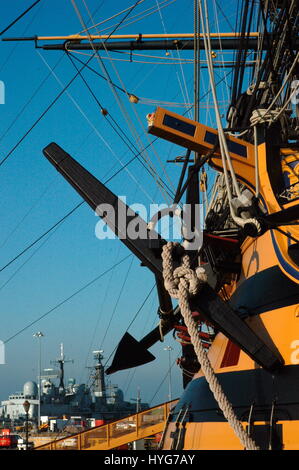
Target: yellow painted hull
(220, 436)
(266, 295)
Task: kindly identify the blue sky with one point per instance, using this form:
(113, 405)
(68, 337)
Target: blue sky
(34, 196)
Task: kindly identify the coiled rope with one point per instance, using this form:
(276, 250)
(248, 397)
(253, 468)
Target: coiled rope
(182, 283)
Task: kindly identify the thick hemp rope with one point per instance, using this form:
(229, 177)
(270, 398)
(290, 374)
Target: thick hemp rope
(182, 283)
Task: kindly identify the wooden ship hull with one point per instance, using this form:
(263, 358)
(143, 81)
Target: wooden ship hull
(265, 294)
(250, 248)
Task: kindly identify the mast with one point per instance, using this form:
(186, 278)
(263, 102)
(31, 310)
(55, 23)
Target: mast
(61, 361)
(99, 380)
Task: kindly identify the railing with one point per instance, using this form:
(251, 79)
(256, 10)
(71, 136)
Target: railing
(120, 432)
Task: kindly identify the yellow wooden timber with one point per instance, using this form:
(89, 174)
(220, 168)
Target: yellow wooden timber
(80, 37)
(200, 138)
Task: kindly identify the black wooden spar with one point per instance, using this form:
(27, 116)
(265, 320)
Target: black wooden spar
(141, 45)
(99, 197)
(148, 250)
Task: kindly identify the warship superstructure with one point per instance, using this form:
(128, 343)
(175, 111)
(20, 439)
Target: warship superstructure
(98, 400)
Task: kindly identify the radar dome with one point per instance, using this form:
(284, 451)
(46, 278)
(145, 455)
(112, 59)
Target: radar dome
(30, 390)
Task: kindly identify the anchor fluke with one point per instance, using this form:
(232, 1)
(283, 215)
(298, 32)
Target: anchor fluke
(130, 353)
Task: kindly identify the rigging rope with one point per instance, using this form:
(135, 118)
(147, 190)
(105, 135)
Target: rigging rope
(68, 214)
(124, 137)
(128, 22)
(19, 17)
(222, 139)
(117, 302)
(185, 97)
(123, 110)
(100, 311)
(43, 114)
(99, 135)
(182, 283)
(111, 84)
(67, 299)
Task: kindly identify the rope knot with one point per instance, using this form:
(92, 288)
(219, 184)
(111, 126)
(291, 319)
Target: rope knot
(183, 279)
(181, 283)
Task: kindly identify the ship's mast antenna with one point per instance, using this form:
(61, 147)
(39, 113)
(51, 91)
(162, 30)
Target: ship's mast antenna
(61, 361)
(99, 378)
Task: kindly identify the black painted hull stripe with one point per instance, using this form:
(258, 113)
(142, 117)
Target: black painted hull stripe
(243, 389)
(271, 285)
